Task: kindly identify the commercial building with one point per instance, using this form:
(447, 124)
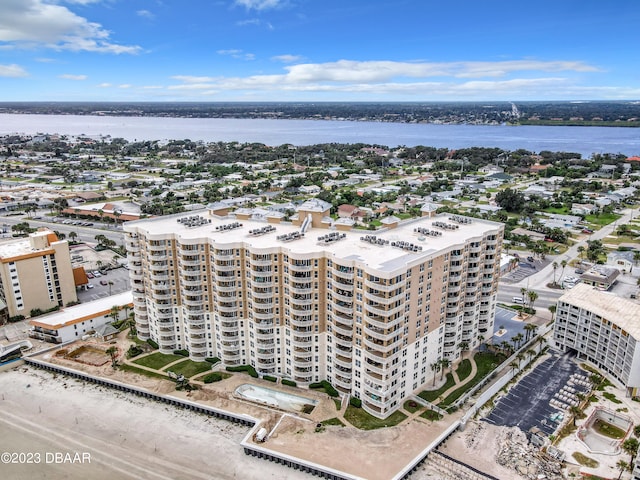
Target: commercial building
(312, 299)
(36, 273)
(73, 323)
(603, 330)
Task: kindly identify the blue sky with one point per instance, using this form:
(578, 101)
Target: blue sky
(319, 50)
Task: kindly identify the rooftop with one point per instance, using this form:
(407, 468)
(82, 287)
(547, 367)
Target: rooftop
(381, 256)
(85, 311)
(617, 310)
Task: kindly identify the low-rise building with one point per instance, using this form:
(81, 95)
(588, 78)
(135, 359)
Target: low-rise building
(72, 323)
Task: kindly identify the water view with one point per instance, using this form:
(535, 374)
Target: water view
(583, 140)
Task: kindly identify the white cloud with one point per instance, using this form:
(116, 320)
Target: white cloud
(69, 76)
(145, 14)
(13, 71)
(105, 85)
(235, 53)
(38, 22)
(125, 85)
(259, 4)
(286, 58)
(520, 79)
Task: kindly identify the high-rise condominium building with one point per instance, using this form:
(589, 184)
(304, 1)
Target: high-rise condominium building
(313, 299)
(604, 330)
(36, 273)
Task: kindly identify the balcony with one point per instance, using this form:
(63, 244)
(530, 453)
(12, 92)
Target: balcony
(161, 294)
(381, 312)
(339, 382)
(343, 362)
(301, 363)
(380, 346)
(302, 342)
(255, 262)
(300, 268)
(346, 332)
(382, 324)
(346, 309)
(262, 293)
(301, 290)
(301, 321)
(383, 287)
(380, 334)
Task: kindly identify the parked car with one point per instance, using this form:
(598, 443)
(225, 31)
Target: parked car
(89, 285)
(89, 275)
(103, 282)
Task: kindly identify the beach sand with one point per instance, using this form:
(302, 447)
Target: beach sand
(125, 436)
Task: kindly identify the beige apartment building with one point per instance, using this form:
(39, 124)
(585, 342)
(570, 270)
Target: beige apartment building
(312, 299)
(36, 273)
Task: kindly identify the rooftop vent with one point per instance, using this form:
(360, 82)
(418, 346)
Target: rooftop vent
(228, 226)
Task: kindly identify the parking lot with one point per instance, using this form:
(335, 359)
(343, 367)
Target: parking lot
(524, 269)
(527, 404)
(508, 319)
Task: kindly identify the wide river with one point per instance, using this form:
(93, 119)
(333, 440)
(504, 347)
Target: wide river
(584, 140)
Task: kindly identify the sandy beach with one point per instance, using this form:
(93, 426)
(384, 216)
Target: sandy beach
(125, 436)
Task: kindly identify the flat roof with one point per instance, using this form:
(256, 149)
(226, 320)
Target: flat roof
(16, 247)
(375, 256)
(84, 311)
(618, 310)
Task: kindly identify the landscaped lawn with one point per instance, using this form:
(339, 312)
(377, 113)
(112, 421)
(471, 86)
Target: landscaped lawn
(602, 218)
(362, 420)
(333, 421)
(431, 415)
(431, 395)
(157, 360)
(486, 363)
(189, 368)
(464, 369)
(141, 371)
(412, 406)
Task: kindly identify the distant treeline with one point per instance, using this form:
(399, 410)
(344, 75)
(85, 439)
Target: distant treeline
(621, 113)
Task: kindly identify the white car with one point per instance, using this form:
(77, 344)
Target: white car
(89, 285)
(96, 273)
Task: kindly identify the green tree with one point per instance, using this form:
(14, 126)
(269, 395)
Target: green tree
(113, 353)
(555, 267)
(463, 346)
(630, 446)
(622, 466)
(446, 363)
(435, 368)
(510, 200)
(533, 296)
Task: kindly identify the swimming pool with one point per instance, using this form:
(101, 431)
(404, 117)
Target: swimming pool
(275, 398)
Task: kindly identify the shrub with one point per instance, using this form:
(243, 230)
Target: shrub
(244, 368)
(134, 351)
(182, 353)
(289, 383)
(269, 378)
(355, 402)
(16, 318)
(212, 377)
(212, 360)
(152, 343)
(332, 392)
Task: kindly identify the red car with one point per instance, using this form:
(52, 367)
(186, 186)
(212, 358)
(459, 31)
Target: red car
(103, 282)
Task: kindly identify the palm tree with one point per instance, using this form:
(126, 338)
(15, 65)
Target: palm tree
(115, 311)
(73, 236)
(555, 267)
(636, 258)
(435, 368)
(581, 250)
(520, 356)
(446, 363)
(112, 352)
(514, 367)
(575, 411)
(529, 328)
(517, 338)
(563, 264)
(531, 353)
(630, 446)
(110, 283)
(533, 296)
(552, 309)
(463, 346)
(622, 466)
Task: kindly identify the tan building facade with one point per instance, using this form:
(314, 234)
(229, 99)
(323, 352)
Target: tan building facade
(36, 273)
(367, 311)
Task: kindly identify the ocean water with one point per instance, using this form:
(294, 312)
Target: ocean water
(583, 140)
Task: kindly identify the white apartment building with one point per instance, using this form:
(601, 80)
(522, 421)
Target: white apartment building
(311, 300)
(603, 329)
